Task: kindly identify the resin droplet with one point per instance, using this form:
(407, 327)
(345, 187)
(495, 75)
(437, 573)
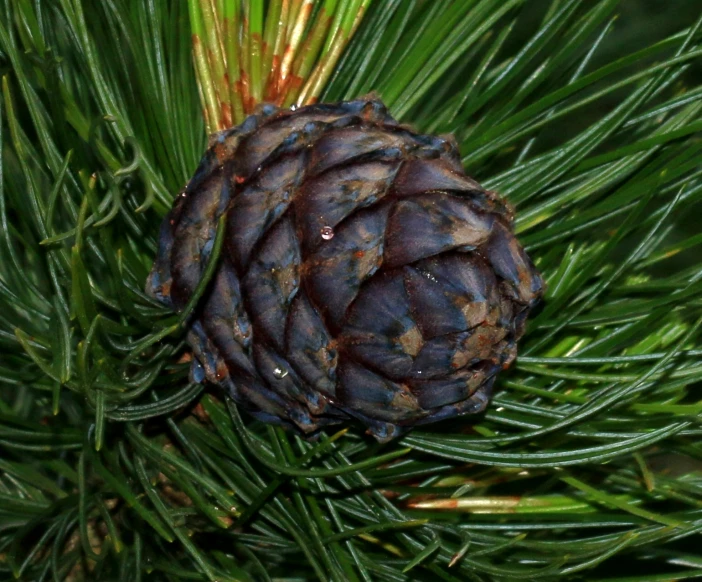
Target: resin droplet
(280, 372)
(327, 232)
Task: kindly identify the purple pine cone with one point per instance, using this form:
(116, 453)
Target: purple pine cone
(364, 275)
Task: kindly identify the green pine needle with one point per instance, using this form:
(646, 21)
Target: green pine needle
(243, 57)
(114, 466)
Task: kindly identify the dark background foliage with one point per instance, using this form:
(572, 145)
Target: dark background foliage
(642, 21)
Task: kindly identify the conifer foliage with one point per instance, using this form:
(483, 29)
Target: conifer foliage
(114, 466)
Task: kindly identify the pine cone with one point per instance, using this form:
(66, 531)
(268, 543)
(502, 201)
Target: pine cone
(363, 276)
